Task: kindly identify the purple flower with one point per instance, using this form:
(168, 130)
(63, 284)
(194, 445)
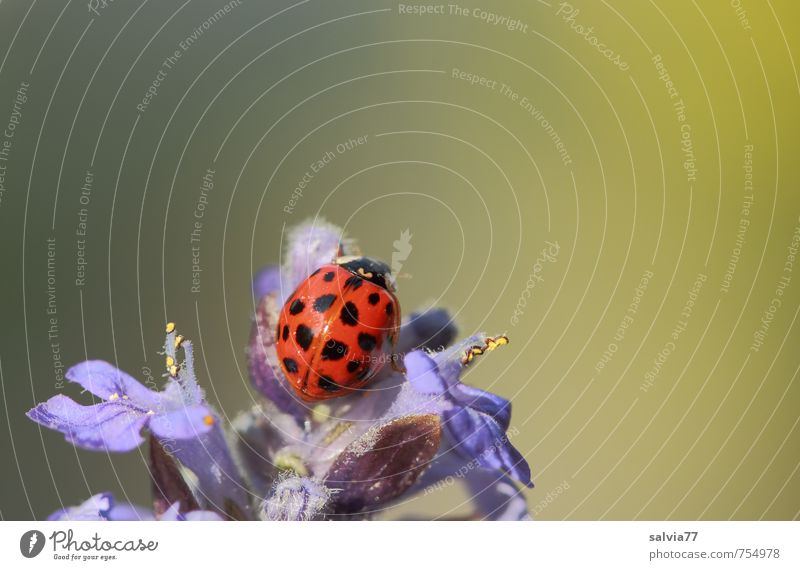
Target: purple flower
(296, 499)
(474, 421)
(184, 427)
(103, 507)
(116, 423)
(346, 458)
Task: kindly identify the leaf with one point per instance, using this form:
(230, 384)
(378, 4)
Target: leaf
(383, 463)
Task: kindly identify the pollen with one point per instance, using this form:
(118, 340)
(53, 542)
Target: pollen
(320, 413)
(178, 341)
(170, 361)
(285, 460)
(173, 371)
(489, 344)
(208, 420)
(170, 327)
(113, 397)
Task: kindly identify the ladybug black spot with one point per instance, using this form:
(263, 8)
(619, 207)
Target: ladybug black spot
(329, 276)
(389, 308)
(334, 350)
(296, 307)
(324, 303)
(304, 336)
(352, 366)
(328, 384)
(354, 281)
(373, 298)
(350, 314)
(285, 334)
(290, 364)
(366, 341)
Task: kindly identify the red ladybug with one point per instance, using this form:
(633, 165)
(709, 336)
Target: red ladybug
(339, 328)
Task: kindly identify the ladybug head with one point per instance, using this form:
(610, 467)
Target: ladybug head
(369, 269)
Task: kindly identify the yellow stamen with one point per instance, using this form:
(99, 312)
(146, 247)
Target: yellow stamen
(208, 420)
(113, 397)
(488, 345)
(320, 413)
(170, 327)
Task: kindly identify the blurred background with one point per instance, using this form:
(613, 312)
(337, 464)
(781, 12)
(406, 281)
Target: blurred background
(614, 185)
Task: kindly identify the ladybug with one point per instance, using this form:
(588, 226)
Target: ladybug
(339, 328)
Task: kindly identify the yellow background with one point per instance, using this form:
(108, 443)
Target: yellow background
(476, 178)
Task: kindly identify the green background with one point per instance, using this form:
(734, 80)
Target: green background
(477, 179)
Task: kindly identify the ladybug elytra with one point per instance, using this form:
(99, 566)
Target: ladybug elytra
(338, 328)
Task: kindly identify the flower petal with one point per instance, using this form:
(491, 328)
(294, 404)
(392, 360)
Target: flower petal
(265, 370)
(496, 497)
(173, 514)
(383, 464)
(128, 512)
(183, 423)
(311, 245)
(95, 508)
(479, 436)
(423, 373)
(296, 499)
(484, 402)
(169, 485)
(260, 434)
(219, 485)
(107, 426)
(109, 382)
(266, 281)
